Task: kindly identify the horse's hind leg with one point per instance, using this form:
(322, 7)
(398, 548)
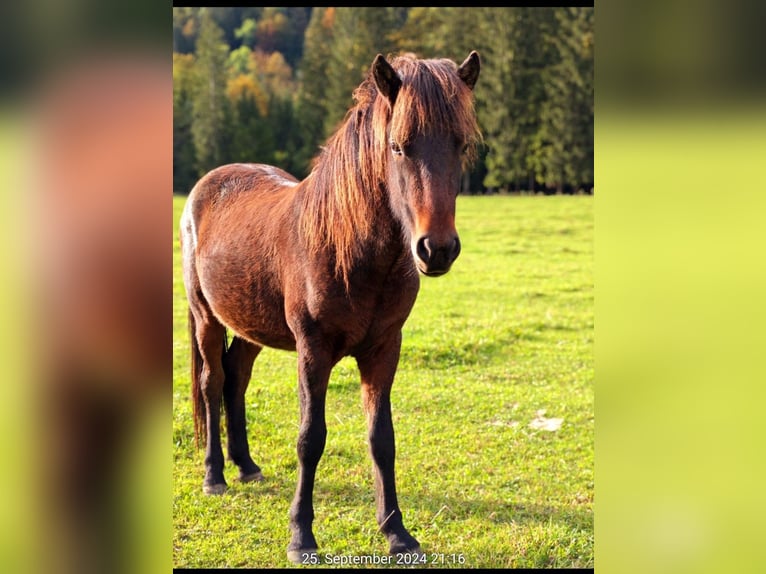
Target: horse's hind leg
(210, 338)
(238, 366)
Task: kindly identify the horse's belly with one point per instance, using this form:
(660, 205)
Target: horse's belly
(265, 327)
(269, 338)
(253, 310)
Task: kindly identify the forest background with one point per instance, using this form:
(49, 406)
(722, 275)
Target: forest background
(269, 85)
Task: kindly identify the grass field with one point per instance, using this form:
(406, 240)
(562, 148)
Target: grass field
(492, 407)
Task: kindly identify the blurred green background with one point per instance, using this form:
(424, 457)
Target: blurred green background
(680, 140)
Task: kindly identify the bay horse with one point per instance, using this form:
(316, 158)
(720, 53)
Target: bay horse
(329, 267)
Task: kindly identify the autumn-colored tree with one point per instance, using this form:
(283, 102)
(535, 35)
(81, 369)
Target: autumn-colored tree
(185, 25)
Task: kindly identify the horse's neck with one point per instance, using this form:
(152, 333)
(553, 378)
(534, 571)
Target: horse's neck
(376, 239)
(386, 230)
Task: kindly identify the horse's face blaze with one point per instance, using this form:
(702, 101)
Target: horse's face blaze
(423, 183)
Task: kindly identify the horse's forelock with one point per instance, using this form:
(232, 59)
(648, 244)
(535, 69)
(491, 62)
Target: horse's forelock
(433, 95)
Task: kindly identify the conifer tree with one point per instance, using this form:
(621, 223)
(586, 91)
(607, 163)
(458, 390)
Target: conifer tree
(210, 106)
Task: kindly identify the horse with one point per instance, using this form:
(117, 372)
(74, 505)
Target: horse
(328, 267)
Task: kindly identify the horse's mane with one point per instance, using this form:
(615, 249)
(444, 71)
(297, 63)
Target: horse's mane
(346, 187)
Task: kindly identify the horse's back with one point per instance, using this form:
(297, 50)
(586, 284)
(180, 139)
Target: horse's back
(225, 197)
(236, 181)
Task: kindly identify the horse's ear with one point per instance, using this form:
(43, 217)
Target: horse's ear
(386, 78)
(469, 69)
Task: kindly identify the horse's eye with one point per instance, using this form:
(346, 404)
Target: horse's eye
(395, 147)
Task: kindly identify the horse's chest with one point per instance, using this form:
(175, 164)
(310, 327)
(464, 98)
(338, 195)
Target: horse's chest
(371, 315)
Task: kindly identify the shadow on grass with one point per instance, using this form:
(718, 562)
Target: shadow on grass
(474, 347)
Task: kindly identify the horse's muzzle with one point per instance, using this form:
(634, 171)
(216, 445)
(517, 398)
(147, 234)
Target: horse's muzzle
(435, 258)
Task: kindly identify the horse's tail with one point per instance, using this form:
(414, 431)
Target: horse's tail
(198, 400)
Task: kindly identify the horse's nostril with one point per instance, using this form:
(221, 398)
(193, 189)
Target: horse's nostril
(424, 249)
(455, 248)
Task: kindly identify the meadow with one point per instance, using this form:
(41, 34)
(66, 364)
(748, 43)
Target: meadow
(493, 408)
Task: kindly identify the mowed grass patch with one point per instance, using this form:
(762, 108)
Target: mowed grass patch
(492, 407)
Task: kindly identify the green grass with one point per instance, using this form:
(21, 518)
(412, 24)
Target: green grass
(506, 334)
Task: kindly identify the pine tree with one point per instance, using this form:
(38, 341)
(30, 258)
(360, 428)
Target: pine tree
(311, 105)
(564, 140)
(499, 99)
(210, 106)
(359, 34)
(535, 104)
(254, 137)
(184, 156)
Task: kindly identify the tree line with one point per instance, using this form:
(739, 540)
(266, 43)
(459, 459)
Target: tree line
(269, 85)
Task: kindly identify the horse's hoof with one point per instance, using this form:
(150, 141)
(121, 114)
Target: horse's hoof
(214, 488)
(253, 477)
(307, 556)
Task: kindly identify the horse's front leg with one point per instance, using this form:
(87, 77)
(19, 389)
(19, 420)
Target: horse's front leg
(313, 375)
(377, 367)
